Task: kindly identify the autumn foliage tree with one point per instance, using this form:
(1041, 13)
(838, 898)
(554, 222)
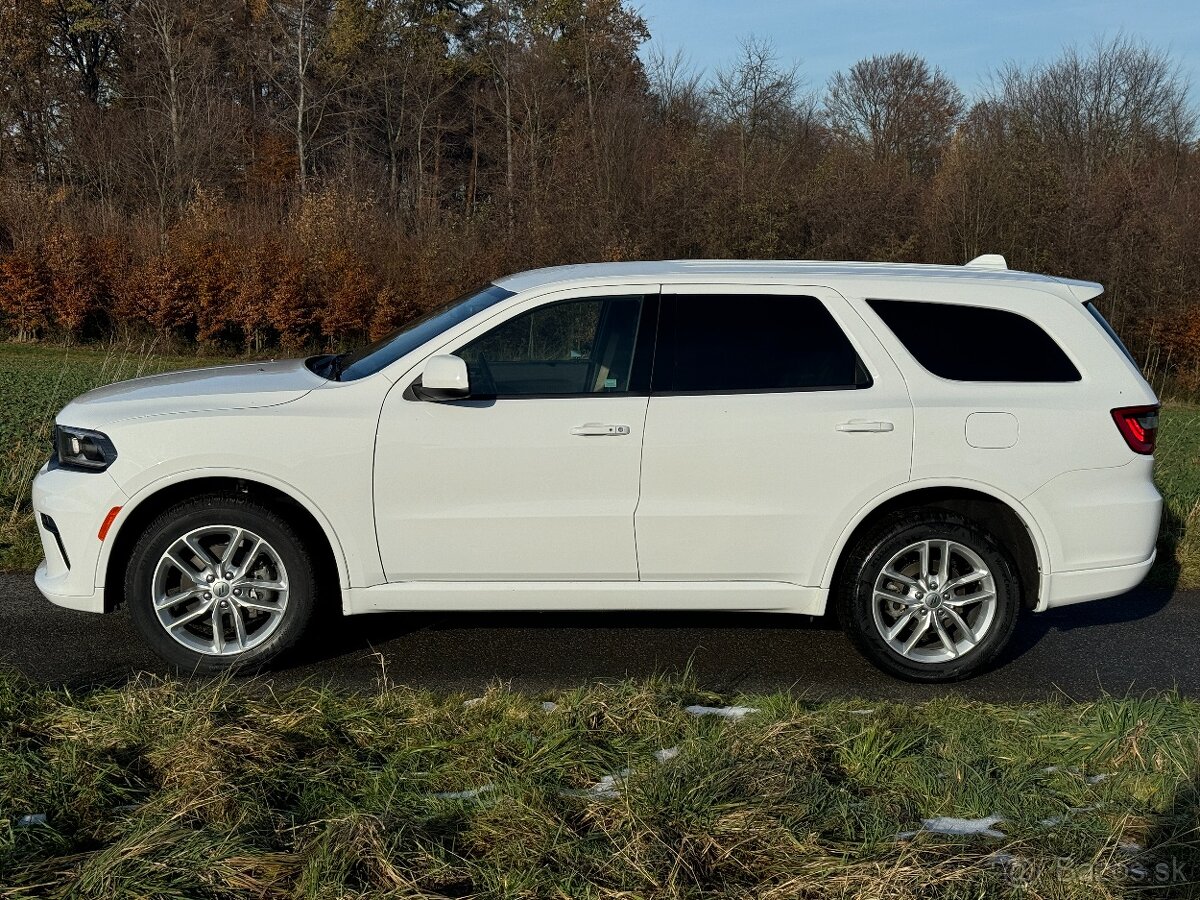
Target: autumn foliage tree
(297, 175)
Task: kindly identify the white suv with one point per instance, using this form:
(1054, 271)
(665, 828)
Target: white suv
(930, 449)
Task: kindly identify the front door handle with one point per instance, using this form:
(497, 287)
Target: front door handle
(595, 429)
(865, 425)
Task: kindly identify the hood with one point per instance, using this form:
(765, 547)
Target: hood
(243, 386)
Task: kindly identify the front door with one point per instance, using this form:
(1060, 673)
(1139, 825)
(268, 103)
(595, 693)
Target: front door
(535, 477)
(775, 415)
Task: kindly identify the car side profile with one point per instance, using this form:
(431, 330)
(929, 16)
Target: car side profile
(927, 450)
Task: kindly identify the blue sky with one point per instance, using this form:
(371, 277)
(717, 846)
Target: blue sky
(968, 39)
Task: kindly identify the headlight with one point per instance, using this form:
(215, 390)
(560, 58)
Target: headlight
(79, 448)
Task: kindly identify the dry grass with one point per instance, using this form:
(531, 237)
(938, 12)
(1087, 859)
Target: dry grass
(229, 790)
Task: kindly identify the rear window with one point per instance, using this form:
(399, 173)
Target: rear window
(975, 343)
(1099, 317)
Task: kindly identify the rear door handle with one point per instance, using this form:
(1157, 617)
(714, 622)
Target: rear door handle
(596, 429)
(865, 425)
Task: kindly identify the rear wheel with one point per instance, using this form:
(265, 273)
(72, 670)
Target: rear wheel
(928, 595)
(220, 582)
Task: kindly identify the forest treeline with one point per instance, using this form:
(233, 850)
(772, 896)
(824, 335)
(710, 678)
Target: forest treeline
(308, 173)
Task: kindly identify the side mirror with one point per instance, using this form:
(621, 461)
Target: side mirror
(444, 378)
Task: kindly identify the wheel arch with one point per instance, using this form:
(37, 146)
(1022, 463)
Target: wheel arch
(1001, 514)
(146, 504)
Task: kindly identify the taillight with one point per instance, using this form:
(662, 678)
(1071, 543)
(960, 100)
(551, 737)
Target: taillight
(1139, 426)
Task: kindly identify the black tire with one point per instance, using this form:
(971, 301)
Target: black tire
(214, 510)
(865, 563)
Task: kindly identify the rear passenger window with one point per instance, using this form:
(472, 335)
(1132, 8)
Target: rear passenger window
(973, 343)
(752, 342)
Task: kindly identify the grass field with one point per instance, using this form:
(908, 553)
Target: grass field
(166, 790)
(35, 382)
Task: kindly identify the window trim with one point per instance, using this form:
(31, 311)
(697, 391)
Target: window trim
(1079, 379)
(678, 291)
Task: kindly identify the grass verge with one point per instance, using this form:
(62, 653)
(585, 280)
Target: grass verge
(166, 789)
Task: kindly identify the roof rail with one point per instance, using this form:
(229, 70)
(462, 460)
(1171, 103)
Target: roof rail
(988, 261)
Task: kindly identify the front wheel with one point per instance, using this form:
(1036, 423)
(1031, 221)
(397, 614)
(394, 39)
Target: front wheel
(928, 595)
(220, 582)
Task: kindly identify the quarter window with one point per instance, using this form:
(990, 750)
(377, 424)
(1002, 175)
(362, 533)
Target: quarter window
(572, 347)
(752, 342)
(975, 343)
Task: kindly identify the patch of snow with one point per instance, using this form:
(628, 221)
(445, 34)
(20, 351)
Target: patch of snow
(1129, 848)
(549, 706)
(906, 835)
(471, 794)
(726, 712)
(1052, 821)
(1096, 779)
(861, 712)
(667, 754)
(949, 825)
(1001, 859)
(474, 700)
(31, 819)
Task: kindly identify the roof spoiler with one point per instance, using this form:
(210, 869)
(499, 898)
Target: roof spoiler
(988, 261)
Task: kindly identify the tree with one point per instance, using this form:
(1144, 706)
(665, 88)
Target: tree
(895, 108)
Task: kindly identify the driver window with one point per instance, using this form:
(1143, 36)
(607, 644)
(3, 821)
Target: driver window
(571, 347)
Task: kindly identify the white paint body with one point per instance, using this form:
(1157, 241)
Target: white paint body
(714, 501)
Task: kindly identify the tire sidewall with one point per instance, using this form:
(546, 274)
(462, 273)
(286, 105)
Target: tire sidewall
(179, 520)
(857, 597)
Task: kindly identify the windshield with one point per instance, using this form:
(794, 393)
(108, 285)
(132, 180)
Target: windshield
(385, 351)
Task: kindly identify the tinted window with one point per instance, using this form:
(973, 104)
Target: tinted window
(372, 358)
(971, 343)
(752, 342)
(572, 347)
(1099, 317)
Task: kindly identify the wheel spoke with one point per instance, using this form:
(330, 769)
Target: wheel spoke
(924, 551)
(183, 565)
(966, 599)
(203, 555)
(961, 624)
(235, 541)
(917, 634)
(892, 575)
(943, 635)
(260, 605)
(199, 612)
(239, 627)
(944, 564)
(218, 628)
(964, 580)
(168, 600)
(262, 585)
(895, 630)
(894, 597)
(248, 561)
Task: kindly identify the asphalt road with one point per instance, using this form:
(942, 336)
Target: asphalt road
(1146, 641)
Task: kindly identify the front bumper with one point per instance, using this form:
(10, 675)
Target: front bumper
(76, 503)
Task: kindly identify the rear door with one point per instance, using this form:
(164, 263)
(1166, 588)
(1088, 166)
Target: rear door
(775, 415)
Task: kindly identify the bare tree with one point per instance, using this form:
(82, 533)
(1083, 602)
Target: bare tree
(1121, 99)
(895, 108)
